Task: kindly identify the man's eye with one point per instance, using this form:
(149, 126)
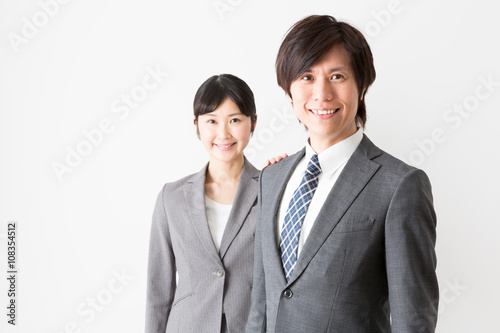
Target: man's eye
(337, 76)
(307, 77)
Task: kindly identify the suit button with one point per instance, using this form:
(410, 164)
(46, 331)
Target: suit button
(288, 293)
(220, 273)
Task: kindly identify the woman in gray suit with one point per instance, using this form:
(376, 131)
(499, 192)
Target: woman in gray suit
(203, 225)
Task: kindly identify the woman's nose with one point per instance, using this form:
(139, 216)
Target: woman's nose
(223, 131)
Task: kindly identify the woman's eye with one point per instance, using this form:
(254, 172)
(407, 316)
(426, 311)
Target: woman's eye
(211, 121)
(235, 120)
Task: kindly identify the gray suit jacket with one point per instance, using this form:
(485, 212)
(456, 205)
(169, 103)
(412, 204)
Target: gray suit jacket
(369, 256)
(208, 279)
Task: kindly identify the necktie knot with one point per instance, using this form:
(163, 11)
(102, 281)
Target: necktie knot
(313, 167)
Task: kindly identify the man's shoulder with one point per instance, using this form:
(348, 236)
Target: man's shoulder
(387, 161)
(281, 167)
(392, 163)
(394, 170)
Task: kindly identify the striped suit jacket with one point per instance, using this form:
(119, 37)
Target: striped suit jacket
(209, 281)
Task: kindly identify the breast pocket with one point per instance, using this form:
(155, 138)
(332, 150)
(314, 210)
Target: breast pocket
(353, 225)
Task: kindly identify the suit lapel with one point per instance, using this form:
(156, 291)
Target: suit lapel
(274, 192)
(356, 174)
(245, 198)
(195, 200)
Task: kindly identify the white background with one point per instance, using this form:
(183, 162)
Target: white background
(68, 74)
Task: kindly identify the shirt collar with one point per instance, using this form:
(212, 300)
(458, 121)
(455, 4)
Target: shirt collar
(335, 156)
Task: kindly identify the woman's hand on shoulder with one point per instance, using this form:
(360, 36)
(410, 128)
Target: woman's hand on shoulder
(274, 160)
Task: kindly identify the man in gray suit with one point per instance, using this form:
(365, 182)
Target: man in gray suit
(346, 233)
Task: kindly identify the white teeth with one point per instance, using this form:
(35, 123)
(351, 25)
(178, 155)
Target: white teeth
(224, 146)
(323, 112)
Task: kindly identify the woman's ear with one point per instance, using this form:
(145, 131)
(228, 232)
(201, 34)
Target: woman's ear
(254, 123)
(195, 122)
(362, 94)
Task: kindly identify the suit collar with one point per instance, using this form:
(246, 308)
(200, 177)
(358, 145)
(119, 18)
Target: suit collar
(335, 156)
(194, 195)
(287, 167)
(368, 149)
(245, 199)
(356, 174)
(246, 194)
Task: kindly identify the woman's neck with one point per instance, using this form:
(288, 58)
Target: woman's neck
(221, 181)
(222, 172)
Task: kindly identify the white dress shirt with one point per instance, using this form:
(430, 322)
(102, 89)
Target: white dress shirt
(217, 216)
(332, 161)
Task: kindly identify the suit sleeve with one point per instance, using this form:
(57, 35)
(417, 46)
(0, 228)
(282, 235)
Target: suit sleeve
(411, 257)
(161, 281)
(257, 317)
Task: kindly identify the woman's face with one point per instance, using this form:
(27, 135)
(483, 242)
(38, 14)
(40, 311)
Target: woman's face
(225, 132)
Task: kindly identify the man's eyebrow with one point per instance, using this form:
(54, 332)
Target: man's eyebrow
(335, 69)
(340, 68)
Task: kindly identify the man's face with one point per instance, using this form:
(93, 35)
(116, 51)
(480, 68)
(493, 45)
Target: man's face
(325, 99)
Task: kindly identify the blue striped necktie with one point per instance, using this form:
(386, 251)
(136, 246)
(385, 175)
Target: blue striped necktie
(295, 214)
